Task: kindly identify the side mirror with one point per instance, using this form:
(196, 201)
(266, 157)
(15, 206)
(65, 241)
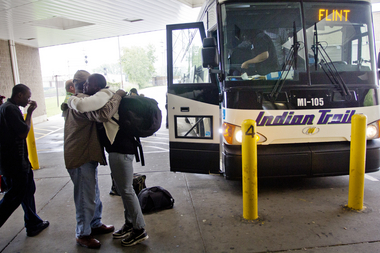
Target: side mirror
(210, 57)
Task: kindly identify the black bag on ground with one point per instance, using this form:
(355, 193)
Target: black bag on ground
(139, 116)
(138, 182)
(155, 198)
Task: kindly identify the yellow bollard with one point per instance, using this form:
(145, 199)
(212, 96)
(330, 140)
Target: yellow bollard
(357, 161)
(32, 149)
(249, 167)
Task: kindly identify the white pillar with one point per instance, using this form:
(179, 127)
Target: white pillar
(12, 50)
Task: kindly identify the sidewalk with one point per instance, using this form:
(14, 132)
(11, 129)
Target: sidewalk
(296, 215)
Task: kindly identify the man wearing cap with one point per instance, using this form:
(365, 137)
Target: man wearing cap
(82, 153)
(121, 149)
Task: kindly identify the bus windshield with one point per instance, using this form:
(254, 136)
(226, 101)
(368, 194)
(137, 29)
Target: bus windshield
(339, 40)
(265, 43)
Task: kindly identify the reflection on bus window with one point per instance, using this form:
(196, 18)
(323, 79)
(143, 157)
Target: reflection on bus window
(259, 40)
(187, 58)
(193, 127)
(341, 32)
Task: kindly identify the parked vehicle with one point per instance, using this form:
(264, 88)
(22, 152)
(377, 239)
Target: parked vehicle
(320, 70)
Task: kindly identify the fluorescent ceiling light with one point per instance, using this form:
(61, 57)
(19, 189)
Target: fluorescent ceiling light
(133, 20)
(59, 23)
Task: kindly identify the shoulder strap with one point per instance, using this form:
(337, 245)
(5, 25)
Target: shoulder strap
(137, 144)
(114, 119)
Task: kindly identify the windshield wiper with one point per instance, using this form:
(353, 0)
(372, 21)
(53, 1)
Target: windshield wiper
(328, 67)
(314, 47)
(290, 61)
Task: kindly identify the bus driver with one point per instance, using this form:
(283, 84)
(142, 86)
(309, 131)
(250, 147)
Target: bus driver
(263, 52)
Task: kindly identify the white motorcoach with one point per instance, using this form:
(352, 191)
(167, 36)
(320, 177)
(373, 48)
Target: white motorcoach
(301, 69)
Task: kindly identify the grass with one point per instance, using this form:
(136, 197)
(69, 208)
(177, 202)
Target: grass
(52, 108)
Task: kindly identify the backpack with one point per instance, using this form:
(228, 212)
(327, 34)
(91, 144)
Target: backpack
(155, 198)
(139, 116)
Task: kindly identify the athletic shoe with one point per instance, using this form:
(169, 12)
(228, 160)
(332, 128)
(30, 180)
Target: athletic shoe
(125, 230)
(135, 237)
(114, 192)
(38, 229)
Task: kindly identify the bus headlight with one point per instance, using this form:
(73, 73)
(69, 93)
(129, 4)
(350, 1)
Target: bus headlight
(373, 130)
(234, 136)
(239, 136)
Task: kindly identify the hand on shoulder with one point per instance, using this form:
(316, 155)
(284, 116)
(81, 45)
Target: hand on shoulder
(121, 93)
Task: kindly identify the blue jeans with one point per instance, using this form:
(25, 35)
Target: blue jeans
(21, 191)
(86, 197)
(122, 172)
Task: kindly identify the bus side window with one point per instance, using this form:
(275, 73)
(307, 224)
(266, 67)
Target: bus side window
(187, 62)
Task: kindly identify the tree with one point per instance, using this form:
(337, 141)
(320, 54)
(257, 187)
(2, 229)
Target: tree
(138, 64)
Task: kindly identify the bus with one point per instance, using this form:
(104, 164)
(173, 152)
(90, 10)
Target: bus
(300, 68)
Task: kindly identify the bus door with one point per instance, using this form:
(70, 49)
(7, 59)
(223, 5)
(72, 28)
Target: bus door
(193, 103)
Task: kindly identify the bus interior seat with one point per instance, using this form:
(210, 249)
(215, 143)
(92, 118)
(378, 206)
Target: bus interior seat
(343, 66)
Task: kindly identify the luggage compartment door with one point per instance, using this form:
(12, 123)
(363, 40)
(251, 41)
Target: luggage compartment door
(193, 103)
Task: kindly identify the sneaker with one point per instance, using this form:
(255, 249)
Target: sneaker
(113, 192)
(38, 229)
(125, 230)
(135, 237)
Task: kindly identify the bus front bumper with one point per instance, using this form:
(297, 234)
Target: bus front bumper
(305, 160)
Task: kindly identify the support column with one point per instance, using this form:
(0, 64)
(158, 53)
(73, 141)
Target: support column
(12, 50)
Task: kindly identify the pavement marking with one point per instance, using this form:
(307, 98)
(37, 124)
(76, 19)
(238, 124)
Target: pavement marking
(165, 149)
(156, 137)
(165, 143)
(51, 131)
(52, 150)
(166, 134)
(152, 152)
(371, 178)
(47, 129)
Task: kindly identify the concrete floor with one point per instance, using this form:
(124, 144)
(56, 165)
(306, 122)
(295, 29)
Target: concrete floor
(295, 215)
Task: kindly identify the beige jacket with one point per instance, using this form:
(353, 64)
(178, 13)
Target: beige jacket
(81, 142)
(93, 103)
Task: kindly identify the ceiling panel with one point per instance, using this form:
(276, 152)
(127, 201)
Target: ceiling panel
(21, 19)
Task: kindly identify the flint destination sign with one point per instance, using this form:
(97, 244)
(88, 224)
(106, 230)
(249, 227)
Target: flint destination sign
(333, 15)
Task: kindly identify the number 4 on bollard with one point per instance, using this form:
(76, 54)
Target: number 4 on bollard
(251, 131)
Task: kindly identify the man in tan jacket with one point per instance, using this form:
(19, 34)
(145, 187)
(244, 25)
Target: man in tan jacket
(82, 153)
